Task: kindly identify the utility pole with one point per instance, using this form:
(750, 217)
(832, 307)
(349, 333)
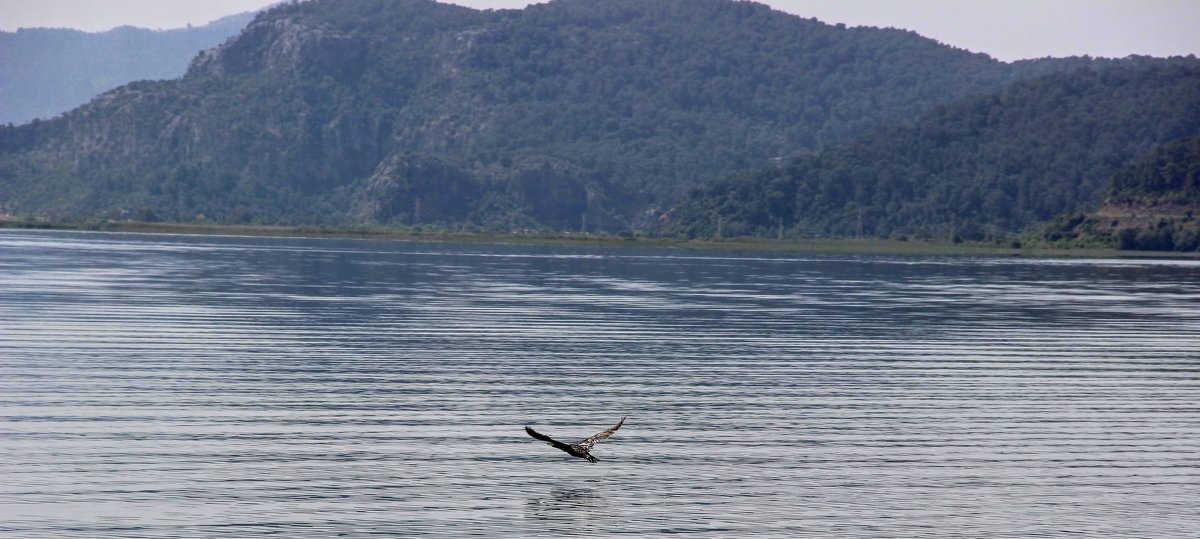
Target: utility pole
(583, 223)
(720, 227)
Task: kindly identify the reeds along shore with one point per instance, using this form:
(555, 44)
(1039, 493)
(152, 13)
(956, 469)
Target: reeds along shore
(802, 245)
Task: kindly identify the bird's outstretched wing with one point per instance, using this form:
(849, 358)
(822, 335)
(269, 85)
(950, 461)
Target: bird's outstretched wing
(554, 443)
(588, 442)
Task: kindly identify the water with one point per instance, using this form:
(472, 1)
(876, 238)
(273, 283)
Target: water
(157, 386)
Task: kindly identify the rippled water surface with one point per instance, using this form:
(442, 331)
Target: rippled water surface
(158, 386)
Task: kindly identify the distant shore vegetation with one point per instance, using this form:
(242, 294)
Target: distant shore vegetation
(1032, 247)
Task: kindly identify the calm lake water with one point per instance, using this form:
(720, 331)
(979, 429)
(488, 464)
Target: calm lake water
(168, 386)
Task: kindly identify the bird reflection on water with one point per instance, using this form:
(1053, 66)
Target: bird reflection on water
(575, 504)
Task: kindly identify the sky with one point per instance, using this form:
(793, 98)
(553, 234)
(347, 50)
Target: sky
(1005, 29)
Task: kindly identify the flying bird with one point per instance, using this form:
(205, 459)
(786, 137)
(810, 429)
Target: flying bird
(582, 448)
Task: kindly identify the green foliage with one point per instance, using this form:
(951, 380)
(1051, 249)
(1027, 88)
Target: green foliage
(565, 115)
(976, 169)
(1152, 205)
(1171, 174)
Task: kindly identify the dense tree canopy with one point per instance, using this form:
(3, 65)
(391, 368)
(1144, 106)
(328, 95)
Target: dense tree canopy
(1169, 174)
(1153, 204)
(974, 169)
(563, 115)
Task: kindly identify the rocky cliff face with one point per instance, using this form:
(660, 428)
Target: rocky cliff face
(410, 189)
(283, 44)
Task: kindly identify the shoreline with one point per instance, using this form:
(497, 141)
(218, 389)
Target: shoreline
(868, 246)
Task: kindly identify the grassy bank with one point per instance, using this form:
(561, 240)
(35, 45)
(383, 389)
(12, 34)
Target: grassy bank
(805, 245)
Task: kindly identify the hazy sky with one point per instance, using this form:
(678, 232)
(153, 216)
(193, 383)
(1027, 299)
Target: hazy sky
(1005, 29)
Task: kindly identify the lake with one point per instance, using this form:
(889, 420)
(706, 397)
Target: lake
(196, 386)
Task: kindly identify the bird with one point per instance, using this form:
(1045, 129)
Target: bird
(582, 448)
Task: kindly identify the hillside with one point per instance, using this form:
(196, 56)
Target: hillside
(566, 115)
(1168, 175)
(975, 169)
(49, 71)
(1153, 204)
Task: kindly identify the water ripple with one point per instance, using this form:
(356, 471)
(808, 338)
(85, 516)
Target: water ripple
(170, 386)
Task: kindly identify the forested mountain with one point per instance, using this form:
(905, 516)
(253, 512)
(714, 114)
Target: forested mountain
(974, 169)
(562, 115)
(1153, 204)
(1168, 175)
(48, 71)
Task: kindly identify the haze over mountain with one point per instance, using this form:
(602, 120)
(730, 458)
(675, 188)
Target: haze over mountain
(48, 71)
(565, 115)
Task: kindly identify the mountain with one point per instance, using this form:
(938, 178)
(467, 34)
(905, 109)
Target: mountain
(975, 169)
(48, 71)
(1153, 203)
(1168, 175)
(569, 114)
